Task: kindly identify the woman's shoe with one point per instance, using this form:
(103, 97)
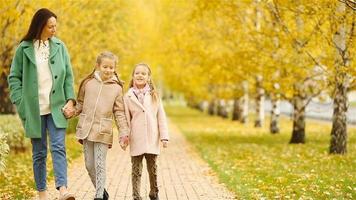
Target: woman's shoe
(67, 196)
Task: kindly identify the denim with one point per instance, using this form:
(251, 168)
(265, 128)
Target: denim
(58, 153)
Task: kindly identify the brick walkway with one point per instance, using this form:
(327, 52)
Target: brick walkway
(183, 175)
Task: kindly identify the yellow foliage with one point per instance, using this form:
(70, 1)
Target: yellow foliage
(195, 45)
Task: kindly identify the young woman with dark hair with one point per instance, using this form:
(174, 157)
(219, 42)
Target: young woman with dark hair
(41, 87)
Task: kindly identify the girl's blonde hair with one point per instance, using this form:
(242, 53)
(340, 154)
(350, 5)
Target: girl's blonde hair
(153, 92)
(99, 58)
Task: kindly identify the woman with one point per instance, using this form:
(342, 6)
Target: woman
(41, 87)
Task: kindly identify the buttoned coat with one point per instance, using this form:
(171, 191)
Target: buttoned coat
(147, 122)
(97, 104)
(23, 84)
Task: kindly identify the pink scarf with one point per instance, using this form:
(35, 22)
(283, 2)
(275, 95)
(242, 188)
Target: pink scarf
(140, 93)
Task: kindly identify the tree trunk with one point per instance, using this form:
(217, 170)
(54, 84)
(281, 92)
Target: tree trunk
(274, 126)
(203, 105)
(6, 106)
(338, 143)
(191, 103)
(259, 102)
(244, 118)
(299, 97)
(298, 133)
(211, 109)
(237, 110)
(222, 110)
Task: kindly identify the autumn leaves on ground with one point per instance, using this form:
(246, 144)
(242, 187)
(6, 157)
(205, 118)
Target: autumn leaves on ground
(251, 162)
(256, 164)
(210, 52)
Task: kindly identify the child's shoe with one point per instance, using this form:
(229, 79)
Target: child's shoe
(106, 195)
(153, 197)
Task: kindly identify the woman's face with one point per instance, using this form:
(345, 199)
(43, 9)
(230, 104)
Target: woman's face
(141, 76)
(50, 29)
(106, 68)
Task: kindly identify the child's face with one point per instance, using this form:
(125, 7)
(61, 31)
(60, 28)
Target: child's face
(141, 76)
(106, 68)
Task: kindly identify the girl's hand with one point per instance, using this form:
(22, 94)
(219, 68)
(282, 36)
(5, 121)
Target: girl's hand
(124, 142)
(164, 143)
(68, 109)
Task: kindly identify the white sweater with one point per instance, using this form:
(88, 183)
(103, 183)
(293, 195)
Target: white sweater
(44, 75)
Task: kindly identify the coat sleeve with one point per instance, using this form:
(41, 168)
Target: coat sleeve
(15, 77)
(127, 112)
(162, 122)
(80, 100)
(68, 81)
(120, 115)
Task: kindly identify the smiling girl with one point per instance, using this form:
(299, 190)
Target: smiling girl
(148, 126)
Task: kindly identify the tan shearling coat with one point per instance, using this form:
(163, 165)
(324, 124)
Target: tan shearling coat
(147, 122)
(97, 104)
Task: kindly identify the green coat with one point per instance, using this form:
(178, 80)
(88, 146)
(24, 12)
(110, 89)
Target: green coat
(23, 85)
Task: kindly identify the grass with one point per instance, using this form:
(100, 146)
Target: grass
(255, 164)
(353, 104)
(17, 180)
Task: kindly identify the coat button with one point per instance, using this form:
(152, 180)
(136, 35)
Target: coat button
(52, 61)
(55, 76)
(53, 91)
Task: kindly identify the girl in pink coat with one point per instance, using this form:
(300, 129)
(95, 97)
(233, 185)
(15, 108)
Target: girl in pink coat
(148, 127)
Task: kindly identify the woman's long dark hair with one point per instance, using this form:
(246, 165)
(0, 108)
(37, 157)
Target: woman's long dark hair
(39, 21)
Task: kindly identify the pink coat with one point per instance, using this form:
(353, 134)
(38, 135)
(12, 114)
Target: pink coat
(148, 124)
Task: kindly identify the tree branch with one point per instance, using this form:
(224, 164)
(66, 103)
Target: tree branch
(351, 4)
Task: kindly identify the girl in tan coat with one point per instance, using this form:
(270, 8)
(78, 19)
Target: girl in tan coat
(100, 99)
(148, 126)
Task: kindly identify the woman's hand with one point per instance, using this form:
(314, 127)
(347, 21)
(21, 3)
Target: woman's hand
(68, 109)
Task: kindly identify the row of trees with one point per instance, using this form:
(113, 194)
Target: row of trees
(211, 50)
(86, 27)
(294, 50)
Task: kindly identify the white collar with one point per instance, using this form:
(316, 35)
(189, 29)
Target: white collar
(41, 43)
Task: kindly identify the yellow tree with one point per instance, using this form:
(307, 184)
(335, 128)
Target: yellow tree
(86, 27)
(300, 59)
(341, 67)
(10, 32)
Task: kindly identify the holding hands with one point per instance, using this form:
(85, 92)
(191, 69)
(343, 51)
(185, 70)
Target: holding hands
(68, 109)
(124, 142)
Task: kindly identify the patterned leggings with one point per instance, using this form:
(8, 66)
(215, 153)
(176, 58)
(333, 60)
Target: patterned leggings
(95, 157)
(151, 160)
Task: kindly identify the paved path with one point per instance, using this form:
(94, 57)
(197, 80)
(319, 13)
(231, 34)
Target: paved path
(183, 175)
